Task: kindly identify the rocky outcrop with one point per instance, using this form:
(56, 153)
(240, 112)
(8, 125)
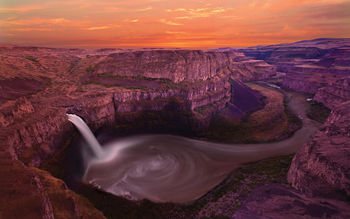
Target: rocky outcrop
(15, 111)
(320, 170)
(308, 65)
(244, 100)
(109, 84)
(36, 138)
(181, 65)
(300, 83)
(336, 58)
(27, 192)
(334, 94)
(33, 123)
(178, 65)
(40, 85)
(321, 167)
(277, 201)
(19, 87)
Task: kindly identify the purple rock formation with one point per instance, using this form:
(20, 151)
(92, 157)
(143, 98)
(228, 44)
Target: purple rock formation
(322, 166)
(277, 201)
(245, 99)
(39, 85)
(308, 65)
(334, 94)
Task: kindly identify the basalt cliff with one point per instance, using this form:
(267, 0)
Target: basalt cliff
(105, 87)
(306, 66)
(114, 87)
(319, 172)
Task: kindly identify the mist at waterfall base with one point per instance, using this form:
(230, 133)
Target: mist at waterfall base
(168, 168)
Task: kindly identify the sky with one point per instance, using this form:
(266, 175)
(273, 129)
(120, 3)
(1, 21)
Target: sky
(170, 23)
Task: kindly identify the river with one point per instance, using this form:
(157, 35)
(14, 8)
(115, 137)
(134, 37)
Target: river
(168, 168)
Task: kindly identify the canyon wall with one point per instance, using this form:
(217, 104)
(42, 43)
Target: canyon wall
(182, 65)
(100, 85)
(321, 167)
(307, 65)
(320, 170)
(40, 85)
(319, 176)
(279, 201)
(28, 192)
(334, 94)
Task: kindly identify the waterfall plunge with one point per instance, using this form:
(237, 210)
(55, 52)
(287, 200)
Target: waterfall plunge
(86, 132)
(165, 168)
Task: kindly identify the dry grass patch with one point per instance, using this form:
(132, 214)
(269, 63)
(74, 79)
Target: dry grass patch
(271, 121)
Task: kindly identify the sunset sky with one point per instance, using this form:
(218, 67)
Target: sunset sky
(170, 23)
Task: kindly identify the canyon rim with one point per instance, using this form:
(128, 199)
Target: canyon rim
(183, 92)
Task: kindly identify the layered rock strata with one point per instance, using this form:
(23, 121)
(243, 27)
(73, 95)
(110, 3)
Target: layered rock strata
(40, 85)
(308, 65)
(28, 192)
(277, 201)
(334, 94)
(320, 170)
(32, 123)
(182, 65)
(321, 167)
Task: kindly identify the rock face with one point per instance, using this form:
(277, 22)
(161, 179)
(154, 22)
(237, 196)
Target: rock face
(27, 192)
(307, 65)
(277, 201)
(320, 174)
(40, 85)
(181, 65)
(174, 65)
(320, 170)
(244, 99)
(322, 167)
(334, 94)
(95, 84)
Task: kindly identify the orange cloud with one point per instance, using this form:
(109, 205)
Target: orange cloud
(191, 13)
(98, 28)
(145, 9)
(164, 21)
(175, 32)
(21, 9)
(132, 20)
(27, 29)
(204, 23)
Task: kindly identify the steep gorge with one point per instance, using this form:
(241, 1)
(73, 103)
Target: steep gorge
(116, 86)
(33, 121)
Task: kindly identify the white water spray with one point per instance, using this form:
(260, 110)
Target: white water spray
(86, 132)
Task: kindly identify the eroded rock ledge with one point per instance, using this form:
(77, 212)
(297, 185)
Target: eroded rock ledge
(277, 201)
(321, 167)
(95, 84)
(319, 173)
(101, 86)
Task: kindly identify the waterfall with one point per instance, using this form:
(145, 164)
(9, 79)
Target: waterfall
(87, 134)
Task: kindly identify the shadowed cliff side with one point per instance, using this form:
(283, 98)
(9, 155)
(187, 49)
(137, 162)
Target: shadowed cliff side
(319, 174)
(39, 85)
(307, 66)
(321, 167)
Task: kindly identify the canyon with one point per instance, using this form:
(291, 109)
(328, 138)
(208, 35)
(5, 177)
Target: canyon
(178, 91)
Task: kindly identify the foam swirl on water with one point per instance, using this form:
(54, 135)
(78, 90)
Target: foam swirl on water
(167, 168)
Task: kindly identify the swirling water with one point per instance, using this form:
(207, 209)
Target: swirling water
(168, 168)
